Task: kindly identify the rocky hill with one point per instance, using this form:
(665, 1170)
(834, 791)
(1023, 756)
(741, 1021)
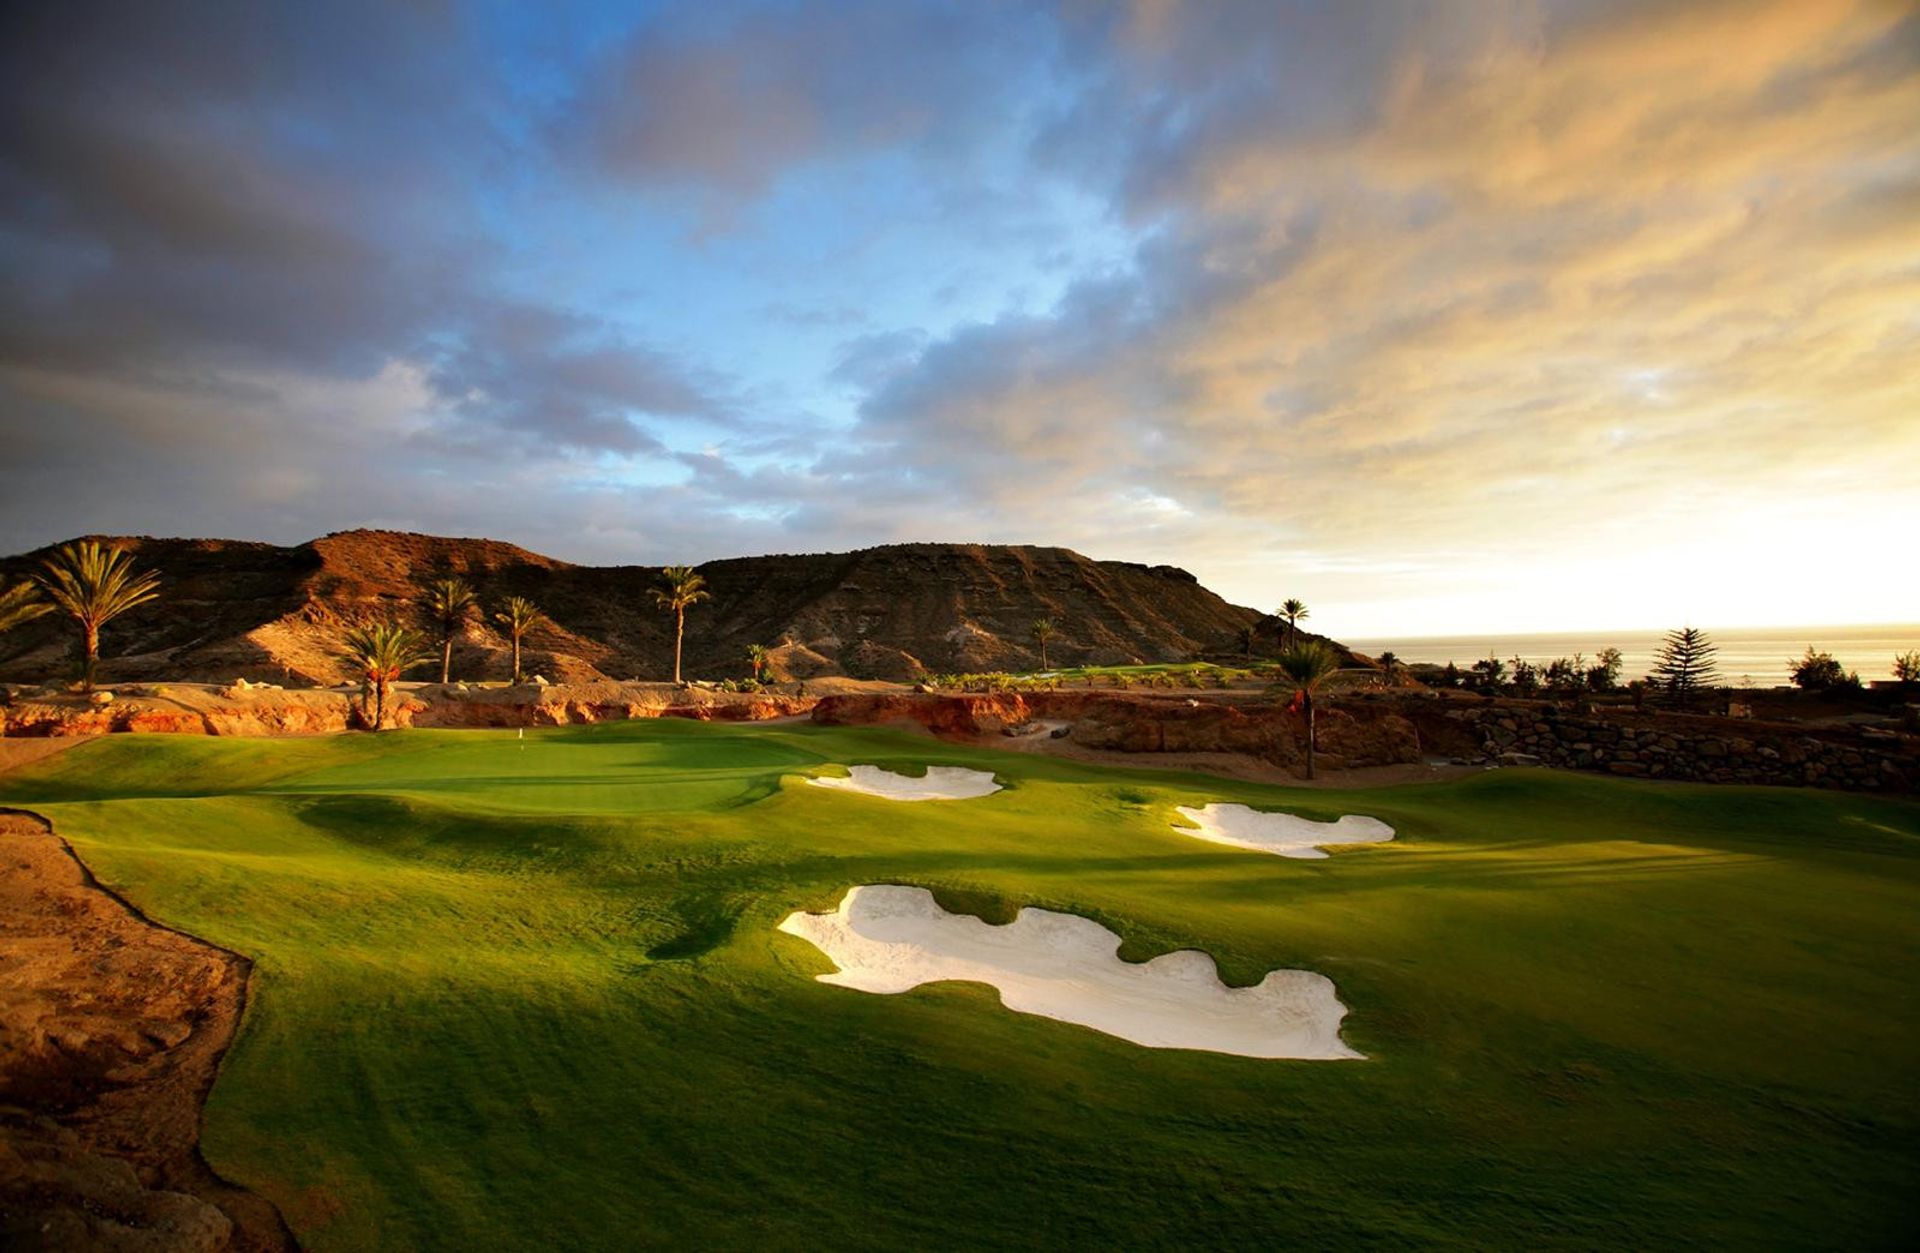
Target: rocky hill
(235, 609)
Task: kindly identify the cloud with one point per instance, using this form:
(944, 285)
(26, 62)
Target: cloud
(1422, 313)
(1474, 305)
(728, 99)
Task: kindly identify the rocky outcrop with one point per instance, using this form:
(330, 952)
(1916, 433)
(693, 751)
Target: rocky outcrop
(111, 1031)
(275, 614)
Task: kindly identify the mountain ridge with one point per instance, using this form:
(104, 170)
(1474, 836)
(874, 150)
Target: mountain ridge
(243, 608)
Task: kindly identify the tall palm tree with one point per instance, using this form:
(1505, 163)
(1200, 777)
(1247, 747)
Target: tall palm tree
(1308, 668)
(679, 588)
(21, 604)
(1043, 631)
(1293, 610)
(519, 616)
(381, 652)
(447, 602)
(757, 654)
(95, 584)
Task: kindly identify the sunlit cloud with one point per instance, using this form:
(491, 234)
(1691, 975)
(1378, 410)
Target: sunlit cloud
(1550, 314)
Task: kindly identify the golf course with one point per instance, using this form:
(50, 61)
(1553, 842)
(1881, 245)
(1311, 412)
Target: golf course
(518, 990)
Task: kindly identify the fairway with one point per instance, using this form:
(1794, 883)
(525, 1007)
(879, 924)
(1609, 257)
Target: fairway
(531, 993)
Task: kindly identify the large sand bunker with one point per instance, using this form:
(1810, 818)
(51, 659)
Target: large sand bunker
(942, 783)
(1281, 834)
(887, 939)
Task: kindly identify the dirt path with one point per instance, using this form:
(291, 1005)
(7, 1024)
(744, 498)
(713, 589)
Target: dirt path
(17, 751)
(111, 1031)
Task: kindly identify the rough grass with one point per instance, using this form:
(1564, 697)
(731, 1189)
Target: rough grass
(529, 994)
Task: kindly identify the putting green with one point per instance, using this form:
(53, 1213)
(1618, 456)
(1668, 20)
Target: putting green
(517, 993)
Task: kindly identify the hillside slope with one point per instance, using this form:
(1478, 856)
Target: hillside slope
(232, 608)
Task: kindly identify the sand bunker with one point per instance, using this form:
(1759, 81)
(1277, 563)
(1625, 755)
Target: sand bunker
(943, 783)
(1281, 834)
(888, 939)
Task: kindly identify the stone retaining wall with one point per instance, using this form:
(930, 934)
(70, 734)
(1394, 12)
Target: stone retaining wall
(1705, 750)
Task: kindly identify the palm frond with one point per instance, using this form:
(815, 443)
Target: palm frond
(21, 604)
(95, 583)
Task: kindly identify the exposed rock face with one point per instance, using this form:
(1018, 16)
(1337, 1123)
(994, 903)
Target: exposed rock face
(110, 1033)
(232, 608)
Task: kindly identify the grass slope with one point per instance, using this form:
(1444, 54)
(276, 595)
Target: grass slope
(529, 993)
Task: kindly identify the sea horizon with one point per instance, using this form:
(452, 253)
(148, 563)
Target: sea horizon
(1747, 656)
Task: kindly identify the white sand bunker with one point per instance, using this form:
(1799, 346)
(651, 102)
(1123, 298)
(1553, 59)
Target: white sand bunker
(943, 783)
(1283, 834)
(888, 939)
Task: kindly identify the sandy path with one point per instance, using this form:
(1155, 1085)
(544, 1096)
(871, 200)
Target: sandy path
(19, 750)
(111, 1031)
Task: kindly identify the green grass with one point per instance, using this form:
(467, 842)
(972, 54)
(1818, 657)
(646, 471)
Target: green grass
(529, 994)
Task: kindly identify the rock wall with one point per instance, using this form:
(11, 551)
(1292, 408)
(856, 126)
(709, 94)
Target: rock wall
(1360, 735)
(1700, 749)
(273, 711)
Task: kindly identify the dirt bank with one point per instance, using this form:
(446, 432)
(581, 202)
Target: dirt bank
(1247, 738)
(111, 1031)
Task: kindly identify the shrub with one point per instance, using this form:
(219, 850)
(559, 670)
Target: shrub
(1489, 672)
(1820, 672)
(1566, 674)
(1605, 676)
(1906, 667)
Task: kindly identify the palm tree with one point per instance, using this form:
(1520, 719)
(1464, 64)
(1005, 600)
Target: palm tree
(757, 654)
(679, 588)
(21, 604)
(1043, 631)
(381, 652)
(519, 616)
(1293, 611)
(95, 584)
(1308, 668)
(447, 602)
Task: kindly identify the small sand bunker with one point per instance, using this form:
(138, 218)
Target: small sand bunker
(943, 783)
(887, 939)
(1282, 834)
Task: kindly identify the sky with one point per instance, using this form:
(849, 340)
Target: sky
(1441, 317)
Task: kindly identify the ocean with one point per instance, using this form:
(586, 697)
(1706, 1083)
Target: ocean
(1748, 656)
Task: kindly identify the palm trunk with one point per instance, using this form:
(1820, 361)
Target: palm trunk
(92, 663)
(1043, 656)
(1310, 743)
(379, 703)
(516, 658)
(679, 633)
(446, 657)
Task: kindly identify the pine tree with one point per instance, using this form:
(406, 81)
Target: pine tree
(1684, 665)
